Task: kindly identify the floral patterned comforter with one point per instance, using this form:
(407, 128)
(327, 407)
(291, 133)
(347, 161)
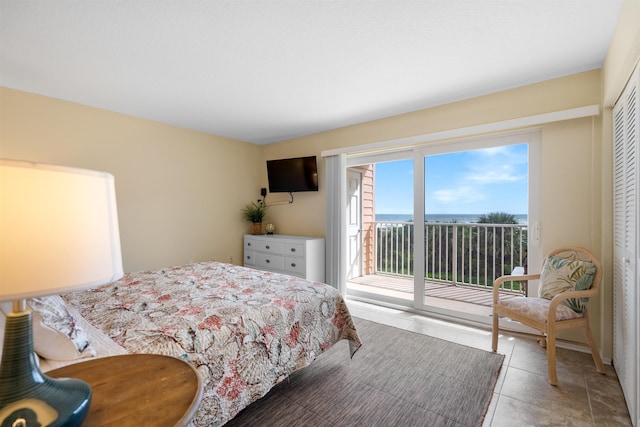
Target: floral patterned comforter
(244, 330)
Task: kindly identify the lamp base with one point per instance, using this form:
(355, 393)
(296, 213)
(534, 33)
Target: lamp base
(27, 396)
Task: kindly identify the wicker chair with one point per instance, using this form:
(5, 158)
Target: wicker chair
(570, 276)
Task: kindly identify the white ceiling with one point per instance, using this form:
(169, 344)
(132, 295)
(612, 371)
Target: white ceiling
(269, 70)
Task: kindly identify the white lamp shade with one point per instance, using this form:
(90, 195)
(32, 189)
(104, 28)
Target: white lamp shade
(58, 230)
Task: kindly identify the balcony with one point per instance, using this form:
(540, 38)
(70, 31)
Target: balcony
(462, 260)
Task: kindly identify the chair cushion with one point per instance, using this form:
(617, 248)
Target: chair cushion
(538, 308)
(563, 274)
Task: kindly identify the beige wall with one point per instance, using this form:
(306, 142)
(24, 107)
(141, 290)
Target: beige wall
(179, 192)
(308, 216)
(571, 176)
(623, 53)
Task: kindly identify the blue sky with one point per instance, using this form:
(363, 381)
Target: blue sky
(469, 182)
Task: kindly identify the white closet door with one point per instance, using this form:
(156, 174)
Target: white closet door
(626, 134)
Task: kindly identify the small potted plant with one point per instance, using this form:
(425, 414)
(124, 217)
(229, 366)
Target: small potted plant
(255, 213)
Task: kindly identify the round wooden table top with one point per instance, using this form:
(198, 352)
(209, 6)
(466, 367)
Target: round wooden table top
(137, 390)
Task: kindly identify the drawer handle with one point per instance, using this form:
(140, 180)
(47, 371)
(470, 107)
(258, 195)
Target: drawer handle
(293, 264)
(267, 247)
(268, 261)
(248, 257)
(293, 249)
(248, 243)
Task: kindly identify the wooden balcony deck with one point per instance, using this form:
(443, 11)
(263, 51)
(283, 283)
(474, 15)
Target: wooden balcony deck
(460, 298)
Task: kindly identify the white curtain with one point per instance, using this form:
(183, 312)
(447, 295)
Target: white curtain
(336, 185)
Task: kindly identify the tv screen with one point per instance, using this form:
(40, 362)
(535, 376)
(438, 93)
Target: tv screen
(292, 175)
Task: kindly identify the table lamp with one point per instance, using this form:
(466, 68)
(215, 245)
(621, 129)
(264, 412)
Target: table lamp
(58, 233)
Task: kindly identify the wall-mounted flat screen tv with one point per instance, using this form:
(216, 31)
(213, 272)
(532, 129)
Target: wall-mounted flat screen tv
(292, 175)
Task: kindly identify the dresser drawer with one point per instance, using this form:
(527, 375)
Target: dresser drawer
(264, 246)
(293, 249)
(269, 261)
(294, 266)
(269, 247)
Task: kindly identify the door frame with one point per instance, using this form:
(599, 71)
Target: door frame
(354, 260)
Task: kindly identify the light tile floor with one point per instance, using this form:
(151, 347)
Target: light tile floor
(523, 396)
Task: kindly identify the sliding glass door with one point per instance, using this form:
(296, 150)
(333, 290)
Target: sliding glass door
(435, 225)
(475, 209)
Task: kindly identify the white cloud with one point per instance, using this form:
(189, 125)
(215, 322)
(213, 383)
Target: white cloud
(504, 173)
(494, 151)
(497, 165)
(459, 195)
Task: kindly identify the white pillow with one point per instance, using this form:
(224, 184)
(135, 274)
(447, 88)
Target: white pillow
(56, 333)
(52, 344)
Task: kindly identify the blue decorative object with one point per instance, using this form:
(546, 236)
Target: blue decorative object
(26, 394)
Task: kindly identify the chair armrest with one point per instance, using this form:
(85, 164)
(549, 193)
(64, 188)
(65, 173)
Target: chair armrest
(557, 300)
(509, 278)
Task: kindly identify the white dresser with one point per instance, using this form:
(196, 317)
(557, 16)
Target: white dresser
(294, 255)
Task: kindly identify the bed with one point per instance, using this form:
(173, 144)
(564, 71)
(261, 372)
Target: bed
(244, 330)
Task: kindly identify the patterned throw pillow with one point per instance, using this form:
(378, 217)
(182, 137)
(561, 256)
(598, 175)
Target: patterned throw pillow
(564, 274)
(56, 333)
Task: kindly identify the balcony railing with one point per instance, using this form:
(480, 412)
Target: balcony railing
(466, 254)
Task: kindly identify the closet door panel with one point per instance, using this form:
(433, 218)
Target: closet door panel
(626, 131)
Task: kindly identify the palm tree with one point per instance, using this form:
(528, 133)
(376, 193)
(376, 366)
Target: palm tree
(497, 218)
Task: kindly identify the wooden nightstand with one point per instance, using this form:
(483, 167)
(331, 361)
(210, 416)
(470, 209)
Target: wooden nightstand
(138, 390)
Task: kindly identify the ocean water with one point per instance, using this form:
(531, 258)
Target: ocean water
(460, 218)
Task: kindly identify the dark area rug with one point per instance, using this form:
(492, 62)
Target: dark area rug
(397, 378)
